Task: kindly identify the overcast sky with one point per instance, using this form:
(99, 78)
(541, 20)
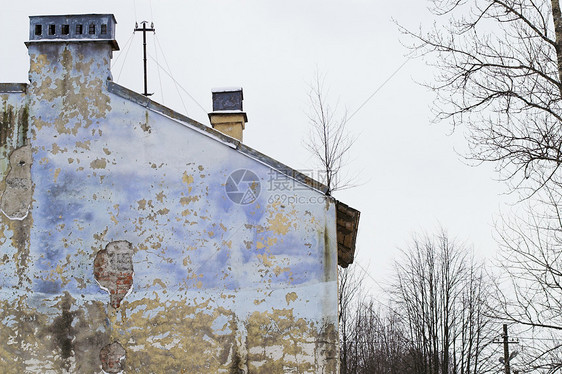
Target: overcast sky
(411, 178)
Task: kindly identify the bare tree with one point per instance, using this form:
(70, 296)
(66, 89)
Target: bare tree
(350, 289)
(438, 321)
(378, 343)
(329, 143)
(441, 293)
(330, 140)
(499, 75)
(531, 292)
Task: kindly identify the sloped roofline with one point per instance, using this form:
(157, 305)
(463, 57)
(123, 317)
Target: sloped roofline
(217, 135)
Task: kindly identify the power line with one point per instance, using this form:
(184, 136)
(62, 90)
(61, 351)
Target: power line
(158, 65)
(379, 88)
(369, 275)
(176, 82)
(151, 13)
(539, 339)
(125, 47)
(135, 8)
(385, 304)
(126, 54)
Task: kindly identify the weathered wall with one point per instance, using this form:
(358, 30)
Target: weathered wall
(133, 256)
(15, 192)
(14, 122)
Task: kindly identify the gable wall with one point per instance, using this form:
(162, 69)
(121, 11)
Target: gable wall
(133, 239)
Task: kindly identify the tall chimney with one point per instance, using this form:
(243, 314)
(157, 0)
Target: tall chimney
(70, 63)
(228, 116)
(67, 47)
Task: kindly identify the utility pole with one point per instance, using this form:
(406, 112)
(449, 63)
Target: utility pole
(144, 29)
(506, 356)
(506, 349)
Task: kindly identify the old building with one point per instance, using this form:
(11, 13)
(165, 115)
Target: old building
(136, 239)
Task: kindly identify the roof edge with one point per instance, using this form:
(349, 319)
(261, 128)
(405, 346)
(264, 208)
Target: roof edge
(347, 226)
(13, 87)
(209, 131)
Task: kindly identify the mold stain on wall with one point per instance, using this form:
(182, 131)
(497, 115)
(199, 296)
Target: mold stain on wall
(16, 197)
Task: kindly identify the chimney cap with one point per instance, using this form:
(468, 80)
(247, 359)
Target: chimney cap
(227, 99)
(227, 89)
(73, 27)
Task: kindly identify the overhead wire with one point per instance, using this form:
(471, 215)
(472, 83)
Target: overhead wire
(169, 73)
(158, 70)
(159, 76)
(378, 89)
(378, 300)
(370, 276)
(126, 54)
(173, 80)
(537, 338)
(126, 44)
(151, 13)
(127, 48)
(177, 84)
(166, 70)
(135, 9)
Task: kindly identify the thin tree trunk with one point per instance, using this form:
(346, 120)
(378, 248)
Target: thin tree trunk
(557, 17)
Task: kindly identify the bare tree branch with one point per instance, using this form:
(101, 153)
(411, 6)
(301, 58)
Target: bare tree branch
(330, 140)
(499, 68)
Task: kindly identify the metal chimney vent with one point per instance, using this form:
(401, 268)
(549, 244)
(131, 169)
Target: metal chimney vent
(227, 99)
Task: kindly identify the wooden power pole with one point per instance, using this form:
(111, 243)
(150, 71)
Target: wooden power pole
(506, 355)
(506, 349)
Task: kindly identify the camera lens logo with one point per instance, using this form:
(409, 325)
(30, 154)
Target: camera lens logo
(242, 187)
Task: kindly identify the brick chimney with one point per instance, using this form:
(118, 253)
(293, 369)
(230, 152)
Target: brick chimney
(228, 116)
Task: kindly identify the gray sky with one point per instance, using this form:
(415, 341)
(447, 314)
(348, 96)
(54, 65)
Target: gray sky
(410, 176)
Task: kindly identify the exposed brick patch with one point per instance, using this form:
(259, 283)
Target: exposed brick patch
(112, 358)
(113, 269)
